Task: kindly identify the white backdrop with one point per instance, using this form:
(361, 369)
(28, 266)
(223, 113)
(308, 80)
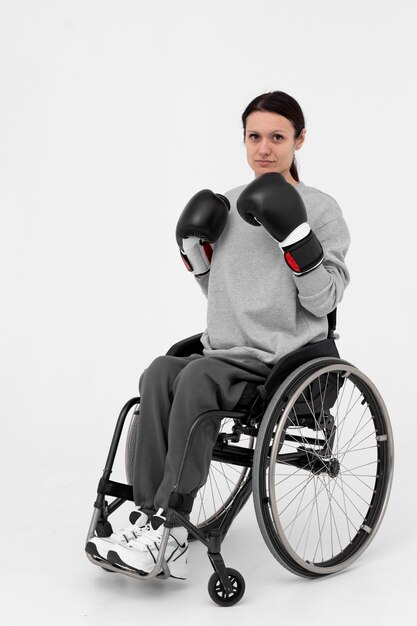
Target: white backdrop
(112, 115)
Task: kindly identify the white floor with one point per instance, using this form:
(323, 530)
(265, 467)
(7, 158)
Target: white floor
(46, 578)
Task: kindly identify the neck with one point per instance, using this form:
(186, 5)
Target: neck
(286, 175)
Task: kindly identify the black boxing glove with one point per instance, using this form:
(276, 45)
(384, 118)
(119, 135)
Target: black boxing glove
(200, 224)
(270, 201)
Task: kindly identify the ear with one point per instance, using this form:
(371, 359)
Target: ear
(299, 142)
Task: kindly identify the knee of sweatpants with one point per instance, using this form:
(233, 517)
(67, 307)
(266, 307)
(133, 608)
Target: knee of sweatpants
(195, 373)
(158, 369)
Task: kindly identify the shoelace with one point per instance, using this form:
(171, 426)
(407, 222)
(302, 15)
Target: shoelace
(130, 533)
(150, 536)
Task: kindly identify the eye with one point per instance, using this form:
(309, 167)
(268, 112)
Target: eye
(255, 136)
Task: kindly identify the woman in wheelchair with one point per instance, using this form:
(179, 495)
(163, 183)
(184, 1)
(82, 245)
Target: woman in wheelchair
(270, 258)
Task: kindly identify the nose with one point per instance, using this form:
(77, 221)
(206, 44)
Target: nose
(264, 148)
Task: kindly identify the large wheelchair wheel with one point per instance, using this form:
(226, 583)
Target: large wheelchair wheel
(224, 480)
(323, 466)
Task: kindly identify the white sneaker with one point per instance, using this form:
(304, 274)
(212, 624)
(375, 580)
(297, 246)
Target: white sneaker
(141, 553)
(99, 546)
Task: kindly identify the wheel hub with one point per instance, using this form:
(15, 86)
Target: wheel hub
(320, 465)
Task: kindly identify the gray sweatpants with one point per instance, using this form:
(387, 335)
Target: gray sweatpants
(173, 392)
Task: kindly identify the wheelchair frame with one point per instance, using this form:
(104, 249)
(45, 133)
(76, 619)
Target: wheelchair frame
(226, 585)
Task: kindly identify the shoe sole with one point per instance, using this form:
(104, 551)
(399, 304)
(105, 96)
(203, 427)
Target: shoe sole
(91, 549)
(117, 561)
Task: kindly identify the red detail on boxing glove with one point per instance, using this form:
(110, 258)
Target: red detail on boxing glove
(208, 250)
(186, 261)
(292, 262)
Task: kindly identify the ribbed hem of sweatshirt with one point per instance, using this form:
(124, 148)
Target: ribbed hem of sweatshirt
(311, 284)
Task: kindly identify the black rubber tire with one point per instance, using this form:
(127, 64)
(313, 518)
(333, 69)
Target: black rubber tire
(216, 590)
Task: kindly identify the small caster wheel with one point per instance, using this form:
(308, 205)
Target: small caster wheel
(217, 592)
(104, 529)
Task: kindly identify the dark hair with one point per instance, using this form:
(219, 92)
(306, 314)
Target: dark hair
(283, 104)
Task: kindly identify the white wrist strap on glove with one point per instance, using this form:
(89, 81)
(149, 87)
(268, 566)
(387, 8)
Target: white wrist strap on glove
(196, 255)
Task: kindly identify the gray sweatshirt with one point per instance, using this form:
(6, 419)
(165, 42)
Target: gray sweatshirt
(256, 306)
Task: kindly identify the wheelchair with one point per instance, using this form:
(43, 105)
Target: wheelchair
(315, 448)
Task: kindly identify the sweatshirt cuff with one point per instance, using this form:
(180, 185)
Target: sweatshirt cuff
(313, 282)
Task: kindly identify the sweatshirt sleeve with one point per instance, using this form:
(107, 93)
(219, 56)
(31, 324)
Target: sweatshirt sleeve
(203, 281)
(321, 290)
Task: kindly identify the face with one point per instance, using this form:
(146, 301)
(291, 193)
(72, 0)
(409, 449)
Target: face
(270, 143)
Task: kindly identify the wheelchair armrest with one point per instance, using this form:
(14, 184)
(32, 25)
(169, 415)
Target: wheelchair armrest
(187, 346)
